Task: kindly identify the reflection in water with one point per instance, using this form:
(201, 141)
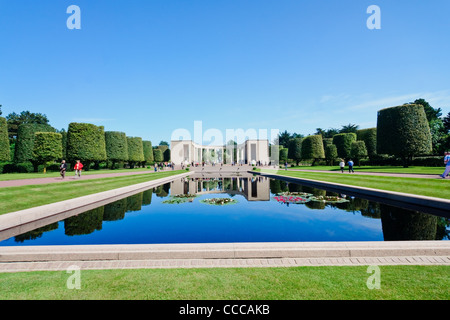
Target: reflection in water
(396, 223)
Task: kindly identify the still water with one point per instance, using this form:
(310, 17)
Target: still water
(236, 209)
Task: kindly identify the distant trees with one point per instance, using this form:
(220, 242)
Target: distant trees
(47, 147)
(4, 142)
(403, 131)
(86, 142)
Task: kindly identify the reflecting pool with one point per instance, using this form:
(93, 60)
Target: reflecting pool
(235, 209)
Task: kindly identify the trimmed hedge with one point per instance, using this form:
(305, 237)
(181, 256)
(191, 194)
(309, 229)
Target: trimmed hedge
(47, 147)
(343, 143)
(148, 151)
(25, 140)
(283, 154)
(4, 141)
(358, 150)
(312, 147)
(403, 131)
(135, 150)
(158, 155)
(116, 146)
(295, 149)
(369, 136)
(86, 142)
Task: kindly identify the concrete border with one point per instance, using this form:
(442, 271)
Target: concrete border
(19, 220)
(436, 206)
(266, 250)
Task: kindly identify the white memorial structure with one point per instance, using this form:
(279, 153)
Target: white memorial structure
(249, 152)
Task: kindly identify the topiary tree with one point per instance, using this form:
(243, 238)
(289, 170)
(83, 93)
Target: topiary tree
(369, 136)
(403, 131)
(5, 154)
(158, 155)
(148, 152)
(343, 143)
(25, 142)
(135, 150)
(330, 153)
(47, 147)
(116, 147)
(358, 151)
(295, 150)
(85, 142)
(283, 154)
(312, 148)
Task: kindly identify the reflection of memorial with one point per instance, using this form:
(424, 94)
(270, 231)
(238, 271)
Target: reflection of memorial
(252, 188)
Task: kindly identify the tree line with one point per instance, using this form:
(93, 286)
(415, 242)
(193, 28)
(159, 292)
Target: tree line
(28, 140)
(402, 132)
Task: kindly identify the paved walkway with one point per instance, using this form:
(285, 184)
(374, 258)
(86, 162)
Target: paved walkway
(207, 169)
(70, 177)
(386, 174)
(225, 255)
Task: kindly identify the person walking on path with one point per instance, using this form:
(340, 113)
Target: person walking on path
(342, 165)
(447, 164)
(78, 167)
(350, 166)
(62, 169)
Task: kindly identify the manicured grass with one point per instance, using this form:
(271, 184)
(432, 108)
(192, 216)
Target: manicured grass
(38, 175)
(381, 169)
(317, 283)
(24, 197)
(439, 188)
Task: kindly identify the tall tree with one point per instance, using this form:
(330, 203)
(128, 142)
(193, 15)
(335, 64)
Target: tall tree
(403, 131)
(431, 113)
(349, 128)
(4, 142)
(25, 117)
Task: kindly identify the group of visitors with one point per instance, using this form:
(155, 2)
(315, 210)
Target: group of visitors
(350, 166)
(63, 168)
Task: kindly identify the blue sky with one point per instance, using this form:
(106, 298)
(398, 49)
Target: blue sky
(149, 67)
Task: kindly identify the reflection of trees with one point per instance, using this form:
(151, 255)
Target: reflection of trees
(115, 211)
(403, 224)
(162, 191)
(134, 202)
(372, 210)
(147, 197)
(442, 232)
(37, 233)
(84, 223)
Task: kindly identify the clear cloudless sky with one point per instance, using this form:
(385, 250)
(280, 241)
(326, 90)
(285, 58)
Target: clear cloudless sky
(149, 67)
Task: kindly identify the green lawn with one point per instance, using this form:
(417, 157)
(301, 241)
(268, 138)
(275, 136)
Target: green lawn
(24, 197)
(317, 283)
(380, 169)
(439, 188)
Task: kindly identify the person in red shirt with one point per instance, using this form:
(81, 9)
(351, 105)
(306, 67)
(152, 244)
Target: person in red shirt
(78, 167)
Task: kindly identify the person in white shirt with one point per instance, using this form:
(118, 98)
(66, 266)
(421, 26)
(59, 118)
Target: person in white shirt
(342, 165)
